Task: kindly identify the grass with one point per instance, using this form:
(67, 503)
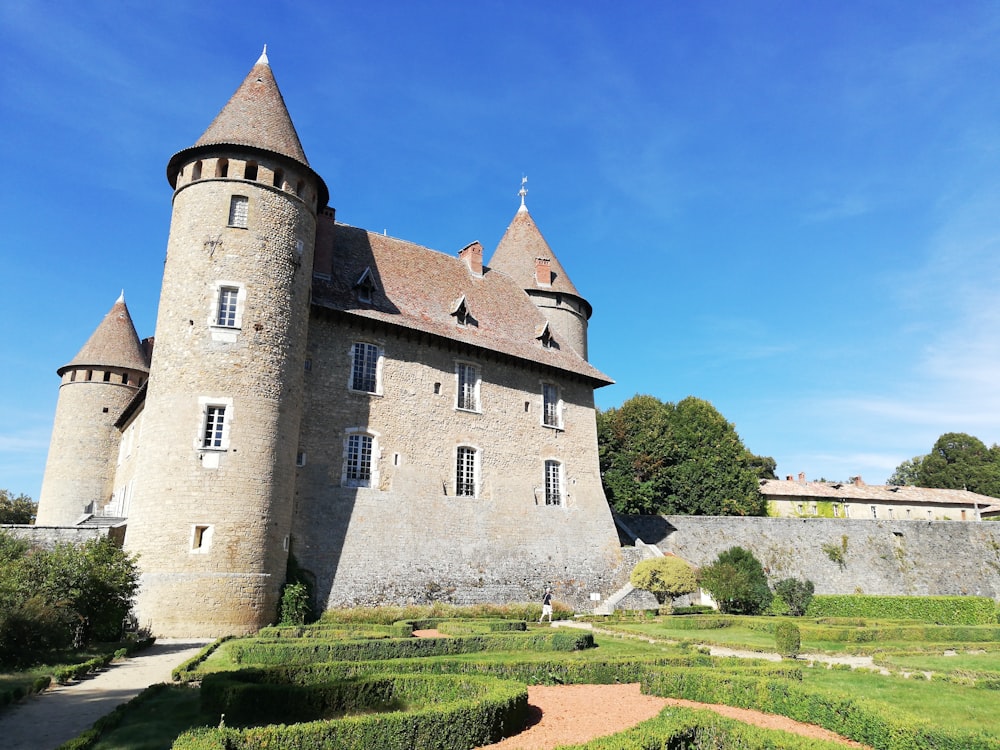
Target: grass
(158, 724)
(52, 662)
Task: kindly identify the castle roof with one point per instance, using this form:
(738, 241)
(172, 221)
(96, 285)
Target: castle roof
(858, 491)
(423, 290)
(518, 250)
(256, 116)
(113, 344)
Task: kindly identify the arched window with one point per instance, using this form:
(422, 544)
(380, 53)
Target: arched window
(196, 173)
(279, 179)
(222, 168)
(300, 188)
(250, 171)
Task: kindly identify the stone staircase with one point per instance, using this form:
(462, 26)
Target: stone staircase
(629, 597)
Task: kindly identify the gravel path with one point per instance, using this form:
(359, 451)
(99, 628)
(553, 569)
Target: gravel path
(46, 720)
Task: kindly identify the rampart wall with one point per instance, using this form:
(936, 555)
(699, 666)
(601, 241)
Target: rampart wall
(916, 558)
(50, 536)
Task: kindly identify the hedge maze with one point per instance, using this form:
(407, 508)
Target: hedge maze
(348, 683)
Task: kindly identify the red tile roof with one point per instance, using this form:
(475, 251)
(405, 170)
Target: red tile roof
(417, 288)
(874, 493)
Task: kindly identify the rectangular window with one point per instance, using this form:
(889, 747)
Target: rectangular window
(465, 475)
(227, 307)
(553, 483)
(215, 417)
(238, 210)
(468, 387)
(551, 416)
(874, 512)
(201, 538)
(364, 367)
(358, 472)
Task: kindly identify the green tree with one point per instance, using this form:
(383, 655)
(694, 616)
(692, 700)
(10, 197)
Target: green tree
(683, 458)
(665, 577)
(795, 594)
(956, 462)
(737, 582)
(17, 508)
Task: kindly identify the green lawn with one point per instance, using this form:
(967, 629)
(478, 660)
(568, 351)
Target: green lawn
(161, 719)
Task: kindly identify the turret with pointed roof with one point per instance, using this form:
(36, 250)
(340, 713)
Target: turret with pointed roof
(96, 385)
(524, 255)
(223, 406)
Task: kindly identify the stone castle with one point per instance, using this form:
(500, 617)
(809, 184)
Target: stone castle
(409, 425)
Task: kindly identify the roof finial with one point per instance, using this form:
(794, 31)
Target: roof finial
(121, 297)
(523, 192)
(262, 60)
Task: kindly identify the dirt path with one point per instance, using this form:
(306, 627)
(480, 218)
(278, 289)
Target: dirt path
(574, 714)
(45, 721)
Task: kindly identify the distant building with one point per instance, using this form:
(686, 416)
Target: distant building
(400, 424)
(797, 498)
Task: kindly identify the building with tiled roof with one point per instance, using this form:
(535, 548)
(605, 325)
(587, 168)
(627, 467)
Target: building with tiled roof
(797, 498)
(396, 423)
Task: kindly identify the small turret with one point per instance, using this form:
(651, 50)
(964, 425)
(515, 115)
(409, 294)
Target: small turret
(524, 255)
(96, 385)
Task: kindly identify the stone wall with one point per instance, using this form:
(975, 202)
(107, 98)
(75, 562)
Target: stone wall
(50, 536)
(410, 537)
(917, 558)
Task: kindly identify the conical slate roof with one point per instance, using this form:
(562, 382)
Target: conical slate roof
(114, 344)
(256, 116)
(515, 256)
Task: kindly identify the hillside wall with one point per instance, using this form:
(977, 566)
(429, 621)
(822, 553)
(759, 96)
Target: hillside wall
(916, 558)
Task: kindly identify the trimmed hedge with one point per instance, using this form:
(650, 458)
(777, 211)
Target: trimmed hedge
(788, 639)
(678, 728)
(275, 652)
(188, 671)
(944, 610)
(528, 671)
(455, 714)
(874, 724)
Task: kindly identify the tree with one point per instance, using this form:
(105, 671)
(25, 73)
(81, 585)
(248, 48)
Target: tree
(665, 577)
(683, 458)
(956, 462)
(17, 508)
(795, 594)
(737, 582)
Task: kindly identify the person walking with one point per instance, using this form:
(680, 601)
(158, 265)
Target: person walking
(546, 605)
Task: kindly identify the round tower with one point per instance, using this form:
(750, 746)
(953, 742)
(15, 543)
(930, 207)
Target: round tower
(95, 386)
(524, 255)
(212, 508)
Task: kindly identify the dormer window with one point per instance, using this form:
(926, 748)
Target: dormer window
(460, 311)
(544, 335)
(365, 286)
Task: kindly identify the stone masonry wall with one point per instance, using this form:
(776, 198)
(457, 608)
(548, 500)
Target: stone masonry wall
(917, 558)
(409, 538)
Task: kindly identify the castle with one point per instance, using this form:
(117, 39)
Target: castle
(407, 425)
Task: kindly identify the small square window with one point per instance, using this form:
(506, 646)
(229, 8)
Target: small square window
(201, 538)
(300, 459)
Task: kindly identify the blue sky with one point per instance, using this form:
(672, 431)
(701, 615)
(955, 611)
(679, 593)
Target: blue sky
(788, 209)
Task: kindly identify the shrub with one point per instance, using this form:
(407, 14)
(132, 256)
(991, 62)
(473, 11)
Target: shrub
(737, 582)
(947, 610)
(665, 577)
(788, 639)
(294, 604)
(795, 594)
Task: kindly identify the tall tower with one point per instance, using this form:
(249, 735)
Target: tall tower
(524, 255)
(212, 508)
(96, 385)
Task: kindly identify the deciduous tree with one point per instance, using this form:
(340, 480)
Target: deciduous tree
(683, 458)
(665, 577)
(956, 462)
(16, 508)
(737, 582)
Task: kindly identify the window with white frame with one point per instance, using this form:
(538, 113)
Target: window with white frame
(226, 313)
(239, 206)
(365, 367)
(465, 471)
(551, 406)
(358, 460)
(213, 430)
(467, 392)
(553, 483)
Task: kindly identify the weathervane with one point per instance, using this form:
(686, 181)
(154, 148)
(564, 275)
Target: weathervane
(523, 191)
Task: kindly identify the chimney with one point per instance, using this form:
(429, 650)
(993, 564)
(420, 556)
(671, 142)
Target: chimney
(802, 476)
(789, 477)
(858, 482)
(472, 254)
(543, 272)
